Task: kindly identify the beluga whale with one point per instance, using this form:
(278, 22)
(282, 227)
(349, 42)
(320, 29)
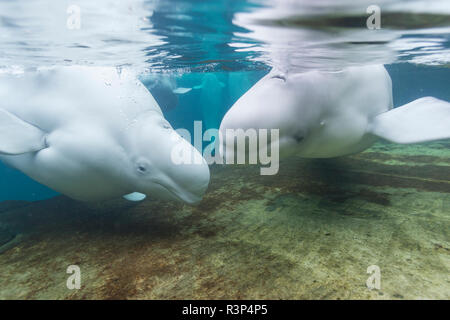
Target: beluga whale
(325, 114)
(93, 134)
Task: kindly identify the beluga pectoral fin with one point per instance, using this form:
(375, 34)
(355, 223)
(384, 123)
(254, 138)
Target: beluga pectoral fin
(135, 196)
(424, 119)
(181, 90)
(18, 136)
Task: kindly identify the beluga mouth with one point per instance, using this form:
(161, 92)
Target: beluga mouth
(184, 195)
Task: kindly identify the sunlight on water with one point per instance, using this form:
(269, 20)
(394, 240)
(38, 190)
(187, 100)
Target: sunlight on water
(187, 36)
(45, 33)
(305, 34)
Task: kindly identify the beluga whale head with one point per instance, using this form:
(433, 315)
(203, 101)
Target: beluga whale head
(152, 165)
(95, 133)
(272, 103)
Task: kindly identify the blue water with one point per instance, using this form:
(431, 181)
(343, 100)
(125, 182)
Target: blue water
(210, 49)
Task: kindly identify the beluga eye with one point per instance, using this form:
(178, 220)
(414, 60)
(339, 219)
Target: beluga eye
(165, 125)
(142, 167)
(279, 77)
(298, 138)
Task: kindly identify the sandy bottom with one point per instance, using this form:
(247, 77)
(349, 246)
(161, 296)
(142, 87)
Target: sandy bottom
(309, 232)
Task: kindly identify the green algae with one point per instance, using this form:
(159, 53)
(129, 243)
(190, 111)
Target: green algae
(309, 232)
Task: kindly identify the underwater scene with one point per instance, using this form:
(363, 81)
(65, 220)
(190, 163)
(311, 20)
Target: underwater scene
(225, 149)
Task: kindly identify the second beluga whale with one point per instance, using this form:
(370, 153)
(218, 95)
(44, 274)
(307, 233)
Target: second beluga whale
(94, 133)
(323, 114)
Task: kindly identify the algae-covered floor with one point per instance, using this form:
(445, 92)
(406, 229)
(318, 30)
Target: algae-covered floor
(309, 232)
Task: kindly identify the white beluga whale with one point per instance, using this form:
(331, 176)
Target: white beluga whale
(323, 114)
(94, 133)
